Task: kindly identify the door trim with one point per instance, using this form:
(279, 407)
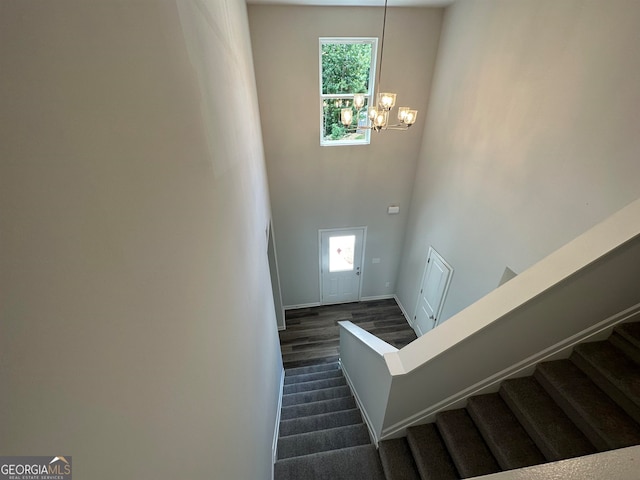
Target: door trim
(414, 323)
(362, 267)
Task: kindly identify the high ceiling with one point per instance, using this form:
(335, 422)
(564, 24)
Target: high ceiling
(358, 3)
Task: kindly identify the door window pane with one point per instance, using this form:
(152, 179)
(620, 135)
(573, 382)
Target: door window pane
(341, 253)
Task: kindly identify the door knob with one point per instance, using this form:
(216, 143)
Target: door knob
(431, 317)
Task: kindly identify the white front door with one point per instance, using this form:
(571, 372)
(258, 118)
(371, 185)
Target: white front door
(435, 282)
(341, 264)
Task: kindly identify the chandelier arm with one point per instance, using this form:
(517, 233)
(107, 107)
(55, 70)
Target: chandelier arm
(399, 126)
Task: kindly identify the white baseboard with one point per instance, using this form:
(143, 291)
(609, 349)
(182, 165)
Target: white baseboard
(276, 430)
(365, 415)
(302, 305)
(407, 317)
(376, 297)
(523, 368)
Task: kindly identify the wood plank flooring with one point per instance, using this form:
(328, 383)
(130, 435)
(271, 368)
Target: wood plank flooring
(313, 335)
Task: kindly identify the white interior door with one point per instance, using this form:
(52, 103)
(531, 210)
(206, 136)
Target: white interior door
(435, 283)
(341, 265)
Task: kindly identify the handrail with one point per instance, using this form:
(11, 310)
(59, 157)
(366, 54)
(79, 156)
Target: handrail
(592, 278)
(376, 344)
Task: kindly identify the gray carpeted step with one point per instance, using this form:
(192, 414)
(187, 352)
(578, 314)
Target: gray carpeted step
(320, 422)
(354, 463)
(397, 460)
(323, 440)
(316, 408)
(430, 454)
(626, 337)
(322, 367)
(309, 377)
(613, 371)
(545, 422)
(315, 395)
(314, 385)
(510, 444)
(469, 452)
(604, 423)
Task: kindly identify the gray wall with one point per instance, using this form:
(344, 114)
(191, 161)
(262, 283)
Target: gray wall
(137, 330)
(531, 137)
(315, 187)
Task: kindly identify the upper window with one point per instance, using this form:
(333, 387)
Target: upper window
(347, 67)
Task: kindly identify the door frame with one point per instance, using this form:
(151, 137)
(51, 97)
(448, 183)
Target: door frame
(337, 230)
(414, 323)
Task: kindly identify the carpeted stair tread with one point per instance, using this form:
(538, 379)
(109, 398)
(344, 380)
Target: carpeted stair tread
(545, 422)
(323, 367)
(604, 423)
(397, 461)
(430, 454)
(508, 441)
(323, 440)
(315, 395)
(623, 343)
(310, 377)
(316, 408)
(320, 422)
(354, 463)
(314, 385)
(631, 332)
(468, 450)
(613, 371)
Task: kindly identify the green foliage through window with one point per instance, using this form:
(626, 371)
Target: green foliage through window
(346, 69)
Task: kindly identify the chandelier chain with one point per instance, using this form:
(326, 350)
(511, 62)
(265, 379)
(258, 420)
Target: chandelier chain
(384, 24)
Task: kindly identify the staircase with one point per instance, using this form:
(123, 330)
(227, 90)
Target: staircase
(322, 435)
(586, 404)
(568, 408)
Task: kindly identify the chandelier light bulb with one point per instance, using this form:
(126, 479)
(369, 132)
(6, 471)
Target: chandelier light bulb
(380, 122)
(346, 116)
(410, 117)
(358, 101)
(386, 101)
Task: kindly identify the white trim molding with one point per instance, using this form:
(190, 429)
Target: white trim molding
(276, 430)
(376, 297)
(301, 305)
(406, 316)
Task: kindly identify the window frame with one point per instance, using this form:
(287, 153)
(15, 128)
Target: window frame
(369, 96)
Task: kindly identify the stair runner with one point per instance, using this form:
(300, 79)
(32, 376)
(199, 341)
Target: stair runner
(585, 404)
(322, 435)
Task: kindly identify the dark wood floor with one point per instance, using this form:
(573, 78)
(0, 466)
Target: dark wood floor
(313, 336)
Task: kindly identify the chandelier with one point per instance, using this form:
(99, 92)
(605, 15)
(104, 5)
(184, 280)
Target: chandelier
(385, 101)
